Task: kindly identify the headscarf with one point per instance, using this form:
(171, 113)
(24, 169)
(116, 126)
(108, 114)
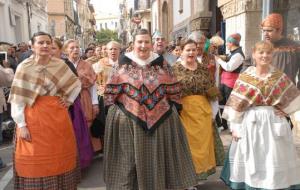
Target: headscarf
(273, 20)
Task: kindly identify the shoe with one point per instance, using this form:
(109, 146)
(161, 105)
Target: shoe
(192, 188)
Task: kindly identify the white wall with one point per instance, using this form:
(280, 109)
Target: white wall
(13, 33)
(110, 23)
(179, 17)
(154, 15)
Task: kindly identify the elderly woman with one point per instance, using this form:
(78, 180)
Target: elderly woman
(88, 94)
(78, 119)
(262, 154)
(196, 115)
(45, 150)
(145, 144)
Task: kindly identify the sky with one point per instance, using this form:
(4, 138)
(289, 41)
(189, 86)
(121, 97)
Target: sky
(106, 6)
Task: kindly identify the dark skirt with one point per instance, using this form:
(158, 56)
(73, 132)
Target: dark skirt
(84, 145)
(134, 159)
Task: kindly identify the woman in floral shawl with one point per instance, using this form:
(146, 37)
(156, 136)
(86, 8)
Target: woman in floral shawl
(262, 154)
(145, 146)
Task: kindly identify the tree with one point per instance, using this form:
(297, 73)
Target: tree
(106, 35)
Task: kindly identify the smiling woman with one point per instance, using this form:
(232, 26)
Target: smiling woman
(145, 144)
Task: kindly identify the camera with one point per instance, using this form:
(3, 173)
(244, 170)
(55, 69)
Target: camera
(3, 57)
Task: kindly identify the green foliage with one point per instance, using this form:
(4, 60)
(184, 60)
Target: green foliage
(104, 36)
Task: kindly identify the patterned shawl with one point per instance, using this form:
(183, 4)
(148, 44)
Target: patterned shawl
(29, 81)
(275, 90)
(144, 93)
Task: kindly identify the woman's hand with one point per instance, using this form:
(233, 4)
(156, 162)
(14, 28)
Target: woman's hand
(95, 110)
(24, 134)
(235, 136)
(64, 103)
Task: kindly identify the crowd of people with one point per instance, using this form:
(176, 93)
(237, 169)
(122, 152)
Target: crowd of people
(155, 111)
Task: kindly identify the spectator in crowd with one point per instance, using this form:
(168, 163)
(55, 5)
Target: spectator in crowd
(26, 54)
(45, 149)
(6, 77)
(145, 144)
(11, 58)
(22, 47)
(262, 154)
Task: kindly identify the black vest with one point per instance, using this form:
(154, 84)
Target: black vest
(238, 50)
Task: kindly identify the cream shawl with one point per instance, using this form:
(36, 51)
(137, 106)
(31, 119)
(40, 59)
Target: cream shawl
(30, 80)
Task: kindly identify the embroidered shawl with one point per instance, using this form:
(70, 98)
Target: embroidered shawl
(196, 82)
(275, 90)
(30, 80)
(144, 93)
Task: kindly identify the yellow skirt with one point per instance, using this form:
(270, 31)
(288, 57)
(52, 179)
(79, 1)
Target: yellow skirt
(196, 117)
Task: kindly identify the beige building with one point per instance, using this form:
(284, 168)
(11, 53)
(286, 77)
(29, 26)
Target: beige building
(86, 32)
(61, 18)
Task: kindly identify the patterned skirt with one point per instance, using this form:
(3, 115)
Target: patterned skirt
(134, 159)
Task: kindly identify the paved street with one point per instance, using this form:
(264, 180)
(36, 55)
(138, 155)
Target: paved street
(92, 178)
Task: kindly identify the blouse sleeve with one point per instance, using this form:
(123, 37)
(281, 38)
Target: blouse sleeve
(17, 113)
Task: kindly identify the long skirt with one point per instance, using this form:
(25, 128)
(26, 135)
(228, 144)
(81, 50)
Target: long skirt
(136, 160)
(48, 161)
(265, 156)
(196, 116)
(82, 135)
(87, 107)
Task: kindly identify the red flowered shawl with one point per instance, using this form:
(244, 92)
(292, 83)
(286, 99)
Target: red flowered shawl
(146, 94)
(275, 90)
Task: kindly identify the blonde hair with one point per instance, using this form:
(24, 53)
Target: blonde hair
(263, 45)
(67, 43)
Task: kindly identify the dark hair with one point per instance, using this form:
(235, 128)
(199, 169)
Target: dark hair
(142, 31)
(39, 34)
(88, 49)
(188, 41)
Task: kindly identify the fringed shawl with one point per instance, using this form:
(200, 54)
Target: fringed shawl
(30, 80)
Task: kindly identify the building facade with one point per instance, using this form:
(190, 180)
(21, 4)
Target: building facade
(61, 18)
(107, 21)
(86, 25)
(20, 19)
(245, 16)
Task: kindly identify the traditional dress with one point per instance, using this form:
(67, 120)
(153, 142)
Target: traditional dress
(145, 146)
(48, 161)
(196, 116)
(80, 126)
(264, 157)
(88, 95)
